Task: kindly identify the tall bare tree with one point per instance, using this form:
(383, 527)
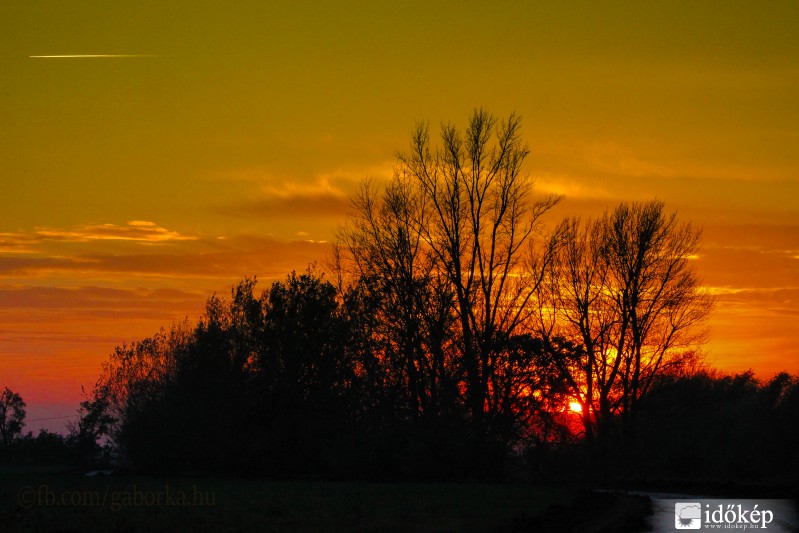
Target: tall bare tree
(451, 240)
(479, 225)
(624, 287)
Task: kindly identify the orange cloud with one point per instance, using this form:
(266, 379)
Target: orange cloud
(137, 231)
(140, 231)
(226, 259)
(324, 195)
(293, 200)
(17, 243)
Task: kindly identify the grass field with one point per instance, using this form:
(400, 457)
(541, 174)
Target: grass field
(52, 502)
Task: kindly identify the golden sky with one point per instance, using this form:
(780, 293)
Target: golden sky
(229, 142)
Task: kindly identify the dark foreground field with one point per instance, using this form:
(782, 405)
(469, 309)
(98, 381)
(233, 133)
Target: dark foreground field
(62, 502)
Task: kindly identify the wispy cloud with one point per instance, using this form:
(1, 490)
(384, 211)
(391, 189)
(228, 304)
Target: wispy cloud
(322, 187)
(200, 259)
(17, 243)
(322, 195)
(140, 231)
(136, 231)
(293, 200)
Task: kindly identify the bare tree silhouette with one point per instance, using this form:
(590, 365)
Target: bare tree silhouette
(450, 247)
(479, 223)
(624, 287)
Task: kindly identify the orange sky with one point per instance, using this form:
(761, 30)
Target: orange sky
(133, 187)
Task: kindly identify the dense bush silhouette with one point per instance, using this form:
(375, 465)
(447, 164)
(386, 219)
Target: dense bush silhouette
(258, 383)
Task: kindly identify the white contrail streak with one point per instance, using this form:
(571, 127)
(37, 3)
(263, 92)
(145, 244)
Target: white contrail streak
(84, 56)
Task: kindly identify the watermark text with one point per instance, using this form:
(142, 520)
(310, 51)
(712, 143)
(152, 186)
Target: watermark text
(116, 498)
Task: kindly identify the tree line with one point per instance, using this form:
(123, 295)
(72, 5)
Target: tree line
(703, 428)
(451, 330)
(451, 333)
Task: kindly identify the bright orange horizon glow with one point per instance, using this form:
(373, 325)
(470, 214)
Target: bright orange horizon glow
(575, 407)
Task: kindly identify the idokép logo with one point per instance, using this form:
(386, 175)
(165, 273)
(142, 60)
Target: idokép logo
(688, 515)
